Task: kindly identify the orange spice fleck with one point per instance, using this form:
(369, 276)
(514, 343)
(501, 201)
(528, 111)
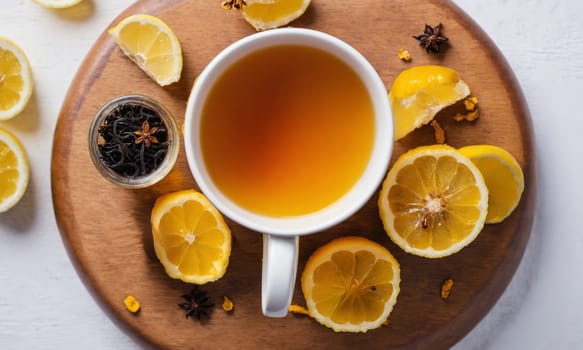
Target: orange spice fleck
(228, 304)
(470, 117)
(132, 304)
(300, 310)
(470, 103)
(438, 132)
(404, 55)
(446, 288)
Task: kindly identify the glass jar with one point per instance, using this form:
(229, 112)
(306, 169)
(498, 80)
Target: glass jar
(161, 169)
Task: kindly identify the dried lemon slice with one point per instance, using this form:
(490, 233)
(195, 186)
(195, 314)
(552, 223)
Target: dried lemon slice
(269, 14)
(503, 176)
(419, 93)
(14, 171)
(351, 284)
(191, 238)
(434, 201)
(152, 45)
(16, 82)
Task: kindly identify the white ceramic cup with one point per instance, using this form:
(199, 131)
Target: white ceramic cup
(281, 234)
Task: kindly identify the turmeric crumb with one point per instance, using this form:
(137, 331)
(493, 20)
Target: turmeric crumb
(404, 55)
(132, 304)
(470, 103)
(300, 310)
(438, 131)
(446, 288)
(228, 304)
(471, 116)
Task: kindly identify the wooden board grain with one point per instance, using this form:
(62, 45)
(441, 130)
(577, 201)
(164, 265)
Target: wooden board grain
(107, 232)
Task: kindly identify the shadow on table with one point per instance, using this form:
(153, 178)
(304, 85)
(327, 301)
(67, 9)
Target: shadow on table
(21, 217)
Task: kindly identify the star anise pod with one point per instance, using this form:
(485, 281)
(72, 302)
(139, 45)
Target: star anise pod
(431, 38)
(146, 135)
(197, 304)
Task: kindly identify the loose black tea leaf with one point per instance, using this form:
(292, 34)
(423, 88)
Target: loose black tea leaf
(133, 140)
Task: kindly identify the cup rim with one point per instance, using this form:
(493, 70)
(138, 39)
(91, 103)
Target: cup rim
(360, 192)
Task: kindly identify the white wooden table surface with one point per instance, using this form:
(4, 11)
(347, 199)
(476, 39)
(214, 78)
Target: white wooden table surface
(44, 305)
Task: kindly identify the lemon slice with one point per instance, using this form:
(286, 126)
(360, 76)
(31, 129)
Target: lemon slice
(419, 93)
(15, 79)
(503, 176)
(14, 171)
(269, 14)
(351, 284)
(191, 238)
(433, 201)
(58, 4)
(152, 45)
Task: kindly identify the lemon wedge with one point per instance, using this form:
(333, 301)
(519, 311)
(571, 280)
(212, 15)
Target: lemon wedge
(152, 45)
(419, 93)
(269, 14)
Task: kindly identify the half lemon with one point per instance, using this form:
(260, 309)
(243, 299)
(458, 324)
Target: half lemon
(434, 201)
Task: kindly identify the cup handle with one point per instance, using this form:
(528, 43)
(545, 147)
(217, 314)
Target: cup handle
(279, 269)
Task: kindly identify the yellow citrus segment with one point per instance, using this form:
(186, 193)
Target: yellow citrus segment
(58, 3)
(269, 14)
(152, 45)
(351, 284)
(14, 170)
(433, 201)
(191, 238)
(15, 79)
(503, 176)
(419, 93)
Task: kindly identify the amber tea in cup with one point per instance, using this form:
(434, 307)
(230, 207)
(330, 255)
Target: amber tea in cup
(287, 130)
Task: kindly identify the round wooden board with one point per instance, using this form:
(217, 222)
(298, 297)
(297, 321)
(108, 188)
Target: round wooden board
(107, 232)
